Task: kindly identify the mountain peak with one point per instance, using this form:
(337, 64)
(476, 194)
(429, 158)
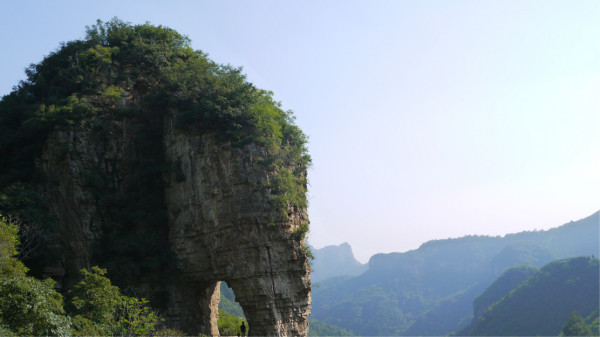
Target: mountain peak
(334, 261)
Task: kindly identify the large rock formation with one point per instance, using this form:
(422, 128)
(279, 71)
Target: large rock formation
(219, 226)
(138, 154)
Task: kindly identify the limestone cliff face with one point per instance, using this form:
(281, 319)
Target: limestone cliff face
(72, 162)
(219, 222)
(220, 226)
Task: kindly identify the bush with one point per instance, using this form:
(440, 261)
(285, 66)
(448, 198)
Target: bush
(135, 317)
(94, 301)
(32, 307)
(9, 241)
(229, 325)
(99, 308)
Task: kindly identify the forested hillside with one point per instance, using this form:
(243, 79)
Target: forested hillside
(542, 304)
(430, 291)
(508, 281)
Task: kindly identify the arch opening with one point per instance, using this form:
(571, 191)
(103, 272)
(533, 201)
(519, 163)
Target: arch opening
(231, 313)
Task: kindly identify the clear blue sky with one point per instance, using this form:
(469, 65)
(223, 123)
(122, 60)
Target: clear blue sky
(427, 119)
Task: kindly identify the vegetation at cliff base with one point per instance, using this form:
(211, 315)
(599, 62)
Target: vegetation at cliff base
(229, 324)
(93, 307)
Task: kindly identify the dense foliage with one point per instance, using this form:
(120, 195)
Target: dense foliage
(9, 242)
(229, 324)
(98, 308)
(158, 65)
(137, 73)
(94, 306)
(32, 307)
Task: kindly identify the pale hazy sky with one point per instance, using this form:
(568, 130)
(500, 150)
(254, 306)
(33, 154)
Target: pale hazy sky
(427, 119)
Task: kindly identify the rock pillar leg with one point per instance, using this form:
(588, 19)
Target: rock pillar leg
(195, 307)
(270, 308)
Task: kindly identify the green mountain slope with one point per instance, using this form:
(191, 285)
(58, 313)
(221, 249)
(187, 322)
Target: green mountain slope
(404, 293)
(451, 312)
(508, 281)
(542, 304)
(228, 303)
(455, 311)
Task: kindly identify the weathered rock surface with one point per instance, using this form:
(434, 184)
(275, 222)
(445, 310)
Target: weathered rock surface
(220, 223)
(220, 226)
(72, 159)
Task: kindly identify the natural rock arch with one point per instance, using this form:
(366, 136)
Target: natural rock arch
(141, 155)
(220, 228)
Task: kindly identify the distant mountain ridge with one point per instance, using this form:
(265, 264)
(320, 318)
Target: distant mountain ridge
(409, 293)
(334, 261)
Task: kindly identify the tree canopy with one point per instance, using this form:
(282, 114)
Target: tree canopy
(85, 80)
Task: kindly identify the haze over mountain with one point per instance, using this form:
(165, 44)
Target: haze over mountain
(334, 261)
(407, 293)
